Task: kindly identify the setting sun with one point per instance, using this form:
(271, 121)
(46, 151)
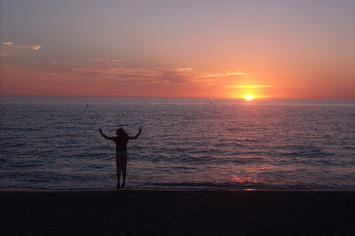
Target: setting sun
(248, 97)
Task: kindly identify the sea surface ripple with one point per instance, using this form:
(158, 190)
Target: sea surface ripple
(53, 143)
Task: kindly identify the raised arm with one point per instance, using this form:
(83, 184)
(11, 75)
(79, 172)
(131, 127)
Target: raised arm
(137, 135)
(105, 136)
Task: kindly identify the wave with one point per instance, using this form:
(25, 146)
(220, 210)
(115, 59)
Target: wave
(232, 186)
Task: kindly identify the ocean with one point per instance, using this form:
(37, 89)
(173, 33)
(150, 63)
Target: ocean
(54, 143)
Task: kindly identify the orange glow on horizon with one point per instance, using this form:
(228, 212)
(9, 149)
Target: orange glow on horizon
(248, 97)
(249, 91)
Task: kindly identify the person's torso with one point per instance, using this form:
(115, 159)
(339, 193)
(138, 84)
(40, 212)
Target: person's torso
(121, 144)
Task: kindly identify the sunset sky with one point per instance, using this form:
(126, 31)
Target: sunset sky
(194, 48)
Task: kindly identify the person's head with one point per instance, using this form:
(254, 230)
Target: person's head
(121, 132)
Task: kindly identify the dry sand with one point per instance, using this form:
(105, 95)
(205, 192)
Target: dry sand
(154, 212)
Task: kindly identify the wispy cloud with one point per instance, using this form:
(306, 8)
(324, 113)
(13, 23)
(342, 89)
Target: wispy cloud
(251, 86)
(215, 75)
(7, 43)
(9, 48)
(184, 69)
(35, 47)
(235, 73)
(107, 77)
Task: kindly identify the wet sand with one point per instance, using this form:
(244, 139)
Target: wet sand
(157, 212)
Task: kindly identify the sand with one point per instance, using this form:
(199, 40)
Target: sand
(157, 212)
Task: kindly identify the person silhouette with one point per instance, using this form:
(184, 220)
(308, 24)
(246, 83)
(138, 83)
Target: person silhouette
(121, 141)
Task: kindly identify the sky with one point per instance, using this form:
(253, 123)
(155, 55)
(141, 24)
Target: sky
(192, 48)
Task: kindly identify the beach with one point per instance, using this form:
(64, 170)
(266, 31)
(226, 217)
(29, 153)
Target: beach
(176, 212)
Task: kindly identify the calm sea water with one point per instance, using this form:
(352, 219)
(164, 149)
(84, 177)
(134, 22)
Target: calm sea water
(53, 143)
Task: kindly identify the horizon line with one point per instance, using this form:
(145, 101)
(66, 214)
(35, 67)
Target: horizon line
(157, 97)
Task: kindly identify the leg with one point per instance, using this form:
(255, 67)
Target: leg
(124, 170)
(118, 172)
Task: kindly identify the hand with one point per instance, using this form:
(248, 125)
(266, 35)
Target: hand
(140, 129)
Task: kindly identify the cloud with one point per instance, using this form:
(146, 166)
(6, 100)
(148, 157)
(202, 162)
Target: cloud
(250, 86)
(234, 73)
(184, 69)
(36, 47)
(107, 77)
(225, 74)
(11, 49)
(117, 61)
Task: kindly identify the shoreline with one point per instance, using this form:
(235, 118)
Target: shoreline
(148, 212)
(28, 189)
